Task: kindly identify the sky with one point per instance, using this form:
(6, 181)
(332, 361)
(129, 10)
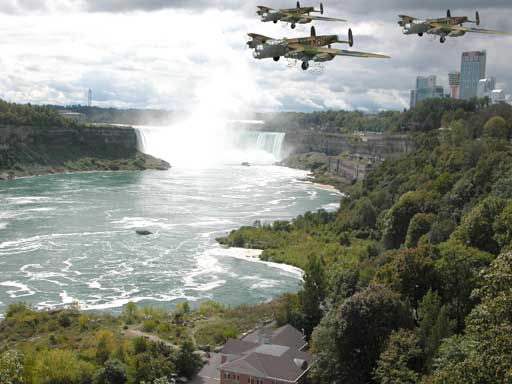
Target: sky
(178, 54)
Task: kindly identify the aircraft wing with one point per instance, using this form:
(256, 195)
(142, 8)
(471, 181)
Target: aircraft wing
(466, 29)
(342, 52)
(406, 18)
(257, 37)
(310, 17)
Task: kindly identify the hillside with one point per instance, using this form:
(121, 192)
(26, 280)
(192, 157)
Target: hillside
(37, 140)
(392, 278)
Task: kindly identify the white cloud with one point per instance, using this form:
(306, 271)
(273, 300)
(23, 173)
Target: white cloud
(178, 57)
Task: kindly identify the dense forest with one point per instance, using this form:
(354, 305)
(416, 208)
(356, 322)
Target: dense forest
(32, 115)
(410, 280)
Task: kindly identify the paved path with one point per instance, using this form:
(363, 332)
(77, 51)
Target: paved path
(132, 333)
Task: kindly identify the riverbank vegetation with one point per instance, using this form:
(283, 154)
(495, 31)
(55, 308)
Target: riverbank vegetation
(142, 345)
(411, 276)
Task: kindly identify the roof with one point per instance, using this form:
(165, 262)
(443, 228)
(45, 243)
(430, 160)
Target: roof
(267, 353)
(287, 336)
(238, 347)
(286, 367)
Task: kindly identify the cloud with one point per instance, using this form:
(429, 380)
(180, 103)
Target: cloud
(172, 54)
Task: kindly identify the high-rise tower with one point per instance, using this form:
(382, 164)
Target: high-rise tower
(472, 70)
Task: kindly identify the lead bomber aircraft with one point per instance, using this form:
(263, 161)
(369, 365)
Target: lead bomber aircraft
(294, 16)
(305, 49)
(445, 27)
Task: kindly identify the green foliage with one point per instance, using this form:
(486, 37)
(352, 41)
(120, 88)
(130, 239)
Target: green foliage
(59, 366)
(313, 294)
(32, 115)
(400, 361)
(351, 337)
(420, 225)
(400, 215)
(187, 361)
(411, 272)
(12, 369)
(477, 227)
(489, 359)
(113, 372)
(496, 128)
(434, 326)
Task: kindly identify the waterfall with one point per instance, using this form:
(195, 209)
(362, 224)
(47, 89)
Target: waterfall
(271, 142)
(141, 139)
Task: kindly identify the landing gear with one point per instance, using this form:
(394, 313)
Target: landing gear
(293, 26)
(420, 34)
(443, 39)
(276, 58)
(305, 65)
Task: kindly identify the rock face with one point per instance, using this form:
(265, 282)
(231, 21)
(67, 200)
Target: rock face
(378, 146)
(41, 150)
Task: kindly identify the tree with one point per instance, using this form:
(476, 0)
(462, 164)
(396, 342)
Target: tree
(489, 327)
(401, 360)
(351, 337)
(434, 326)
(503, 227)
(113, 372)
(496, 128)
(411, 272)
(476, 229)
(400, 215)
(313, 294)
(130, 312)
(105, 345)
(459, 267)
(60, 366)
(187, 362)
(420, 225)
(12, 370)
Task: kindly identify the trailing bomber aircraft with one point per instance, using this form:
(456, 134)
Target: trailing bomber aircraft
(312, 48)
(445, 27)
(294, 16)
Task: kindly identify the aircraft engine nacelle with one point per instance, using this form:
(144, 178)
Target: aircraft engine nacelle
(270, 16)
(323, 57)
(272, 48)
(304, 21)
(415, 28)
(457, 33)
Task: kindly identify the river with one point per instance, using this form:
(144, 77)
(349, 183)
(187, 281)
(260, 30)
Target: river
(71, 237)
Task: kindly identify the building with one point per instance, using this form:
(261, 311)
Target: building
(454, 82)
(426, 87)
(473, 67)
(485, 87)
(498, 96)
(267, 357)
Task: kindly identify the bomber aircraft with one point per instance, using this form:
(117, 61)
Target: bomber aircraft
(312, 48)
(294, 16)
(445, 27)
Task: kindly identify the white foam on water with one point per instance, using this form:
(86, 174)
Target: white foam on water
(66, 299)
(265, 284)
(143, 222)
(21, 291)
(94, 285)
(3, 225)
(208, 286)
(333, 207)
(252, 255)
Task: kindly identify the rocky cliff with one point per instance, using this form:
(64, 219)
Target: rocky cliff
(29, 150)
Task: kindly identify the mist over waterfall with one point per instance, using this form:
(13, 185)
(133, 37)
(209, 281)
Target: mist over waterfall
(203, 148)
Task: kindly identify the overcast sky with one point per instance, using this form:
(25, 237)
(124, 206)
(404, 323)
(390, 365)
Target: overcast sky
(176, 54)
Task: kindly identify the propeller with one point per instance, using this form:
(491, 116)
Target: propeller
(298, 4)
(477, 18)
(350, 37)
(321, 8)
(449, 14)
(313, 32)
